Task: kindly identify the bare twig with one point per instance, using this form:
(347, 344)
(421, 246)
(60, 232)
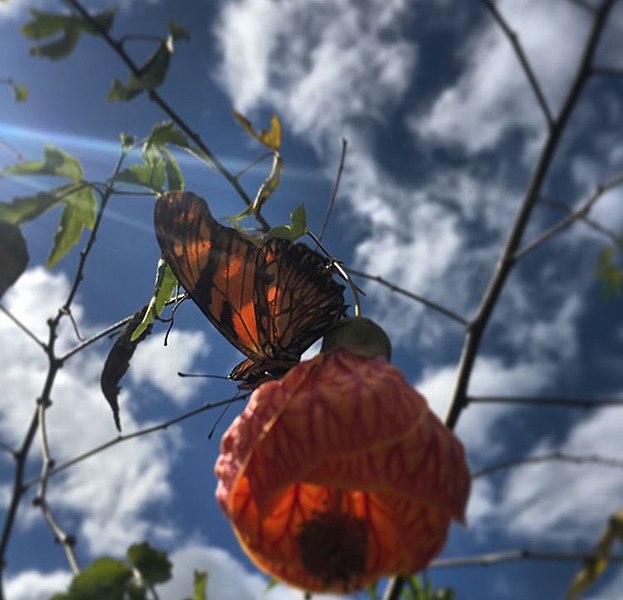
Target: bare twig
(478, 325)
(65, 309)
(336, 187)
(507, 260)
(98, 336)
(547, 401)
(23, 327)
(577, 459)
(580, 213)
(523, 60)
(155, 97)
(615, 238)
(66, 540)
(425, 301)
(494, 558)
(140, 433)
(608, 71)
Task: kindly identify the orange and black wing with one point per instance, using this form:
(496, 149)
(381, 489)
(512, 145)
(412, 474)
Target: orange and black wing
(216, 266)
(297, 298)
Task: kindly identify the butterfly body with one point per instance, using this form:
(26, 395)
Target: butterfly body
(270, 301)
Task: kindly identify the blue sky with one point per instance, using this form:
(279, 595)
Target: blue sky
(443, 134)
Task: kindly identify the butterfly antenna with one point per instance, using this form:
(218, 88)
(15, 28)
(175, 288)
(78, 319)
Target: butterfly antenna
(343, 273)
(336, 186)
(178, 303)
(238, 396)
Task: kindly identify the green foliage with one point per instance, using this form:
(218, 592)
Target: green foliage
(67, 28)
(200, 587)
(153, 72)
(610, 272)
(154, 565)
(20, 92)
(150, 175)
(421, 588)
(78, 198)
(295, 230)
(55, 162)
(109, 578)
(163, 288)
(105, 579)
(78, 214)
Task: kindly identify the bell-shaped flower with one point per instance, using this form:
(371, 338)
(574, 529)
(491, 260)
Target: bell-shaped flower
(339, 473)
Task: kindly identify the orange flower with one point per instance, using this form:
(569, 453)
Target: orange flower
(339, 473)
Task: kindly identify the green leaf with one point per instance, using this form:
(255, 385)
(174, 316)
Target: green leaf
(27, 208)
(610, 273)
(154, 565)
(104, 579)
(151, 75)
(78, 214)
(271, 138)
(43, 25)
(147, 175)
(55, 162)
(178, 31)
(166, 133)
(127, 141)
(122, 93)
(20, 92)
(13, 255)
(163, 288)
(200, 587)
(291, 232)
(175, 177)
(60, 47)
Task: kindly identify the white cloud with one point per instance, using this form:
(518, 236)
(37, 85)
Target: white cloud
(158, 365)
(560, 502)
(491, 95)
(490, 377)
(315, 61)
(34, 585)
(110, 507)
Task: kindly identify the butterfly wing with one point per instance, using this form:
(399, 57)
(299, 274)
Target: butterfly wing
(215, 265)
(297, 300)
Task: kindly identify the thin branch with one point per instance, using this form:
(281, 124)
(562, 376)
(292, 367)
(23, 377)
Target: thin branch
(67, 541)
(140, 433)
(580, 213)
(65, 309)
(547, 401)
(616, 239)
(6, 448)
(429, 303)
(336, 187)
(17, 491)
(608, 71)
(494, 558)
(23, 327)
(507, 260)
(576, 459)
(477, 327)
(523, 60)
(98, 336)
(155, 97)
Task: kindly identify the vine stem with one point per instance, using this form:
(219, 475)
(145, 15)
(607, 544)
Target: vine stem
(155, 97)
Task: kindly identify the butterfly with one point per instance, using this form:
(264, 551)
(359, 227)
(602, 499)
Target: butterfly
(270, 301)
